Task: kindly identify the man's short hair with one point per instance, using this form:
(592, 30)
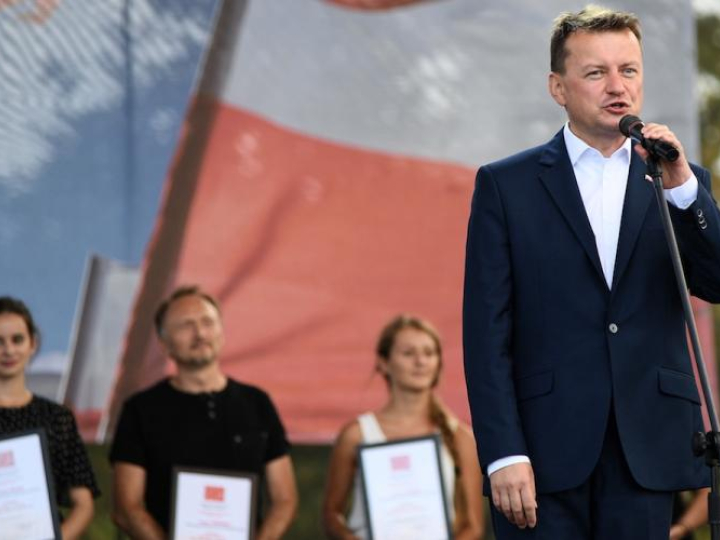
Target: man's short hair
(591, 18)
(181, 292)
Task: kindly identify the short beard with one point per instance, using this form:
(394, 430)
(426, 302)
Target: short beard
(194, 363)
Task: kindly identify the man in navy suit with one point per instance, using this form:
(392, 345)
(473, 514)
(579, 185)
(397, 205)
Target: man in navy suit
(580, 384)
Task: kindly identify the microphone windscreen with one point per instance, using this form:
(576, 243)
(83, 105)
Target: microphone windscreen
(627, 122)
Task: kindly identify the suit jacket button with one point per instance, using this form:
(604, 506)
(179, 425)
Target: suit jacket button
(699, 212)
(613, 328)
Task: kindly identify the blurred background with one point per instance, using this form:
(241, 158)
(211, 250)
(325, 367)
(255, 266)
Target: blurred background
(310, 162)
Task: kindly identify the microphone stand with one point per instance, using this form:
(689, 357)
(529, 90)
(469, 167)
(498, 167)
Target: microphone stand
(703, 444)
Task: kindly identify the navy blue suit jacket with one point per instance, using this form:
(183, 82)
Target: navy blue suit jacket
(549, 348)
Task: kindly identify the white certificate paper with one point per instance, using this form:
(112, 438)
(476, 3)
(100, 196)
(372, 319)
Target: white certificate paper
(213, 505)
(404, 490)
(27, 498)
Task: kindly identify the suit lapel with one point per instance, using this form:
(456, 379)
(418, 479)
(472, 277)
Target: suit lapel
(558, 177)
(638, 194)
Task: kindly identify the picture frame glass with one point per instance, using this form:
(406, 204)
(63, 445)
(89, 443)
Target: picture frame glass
(208, 503)
(404, 490)
(28, 508)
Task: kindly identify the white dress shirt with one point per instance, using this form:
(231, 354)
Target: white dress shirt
(602, 182)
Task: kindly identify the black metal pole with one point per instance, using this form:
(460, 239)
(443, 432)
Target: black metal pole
(707, 444)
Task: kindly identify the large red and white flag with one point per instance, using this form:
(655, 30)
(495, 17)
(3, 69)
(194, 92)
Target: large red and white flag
(323, 182)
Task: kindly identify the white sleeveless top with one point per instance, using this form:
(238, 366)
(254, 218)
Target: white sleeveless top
(373, 434)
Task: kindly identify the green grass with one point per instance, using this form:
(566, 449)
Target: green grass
(101, 527)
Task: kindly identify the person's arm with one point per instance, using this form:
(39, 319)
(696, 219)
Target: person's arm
(698, 235)
(696, 222)
(695, 515)
(80, 514)
(73, 473)
(471, 483)
(280, 479)
(487, 331)
(341, 475)
(129, 512)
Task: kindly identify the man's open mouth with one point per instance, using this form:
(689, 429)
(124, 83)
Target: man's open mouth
(617, 106)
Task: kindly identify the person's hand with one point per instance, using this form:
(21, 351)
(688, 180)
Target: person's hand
(513, 494)
(675, 173)
(678, 531)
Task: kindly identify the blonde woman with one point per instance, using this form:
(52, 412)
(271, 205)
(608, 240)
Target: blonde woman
(409, 357)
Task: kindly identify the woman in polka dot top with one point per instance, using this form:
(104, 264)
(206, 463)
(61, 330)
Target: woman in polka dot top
(20, 410)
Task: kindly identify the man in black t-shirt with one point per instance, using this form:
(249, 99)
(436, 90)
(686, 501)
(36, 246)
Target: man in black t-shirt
(197, 418)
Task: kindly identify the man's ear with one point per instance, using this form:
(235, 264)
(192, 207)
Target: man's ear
(556, 87)
(161, 339)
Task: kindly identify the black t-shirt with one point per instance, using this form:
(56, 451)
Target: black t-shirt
(160, 428)
(68, 458)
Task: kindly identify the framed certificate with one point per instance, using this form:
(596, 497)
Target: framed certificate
(404, 490)
(27, 495)
(213, 504)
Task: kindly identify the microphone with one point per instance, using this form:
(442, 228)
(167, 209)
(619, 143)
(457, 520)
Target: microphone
(631, 126)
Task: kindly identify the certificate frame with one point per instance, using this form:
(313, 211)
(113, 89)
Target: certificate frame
(15, 449)
(223, 481)
(390, 472)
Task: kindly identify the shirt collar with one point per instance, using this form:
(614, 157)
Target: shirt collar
(576, 147)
